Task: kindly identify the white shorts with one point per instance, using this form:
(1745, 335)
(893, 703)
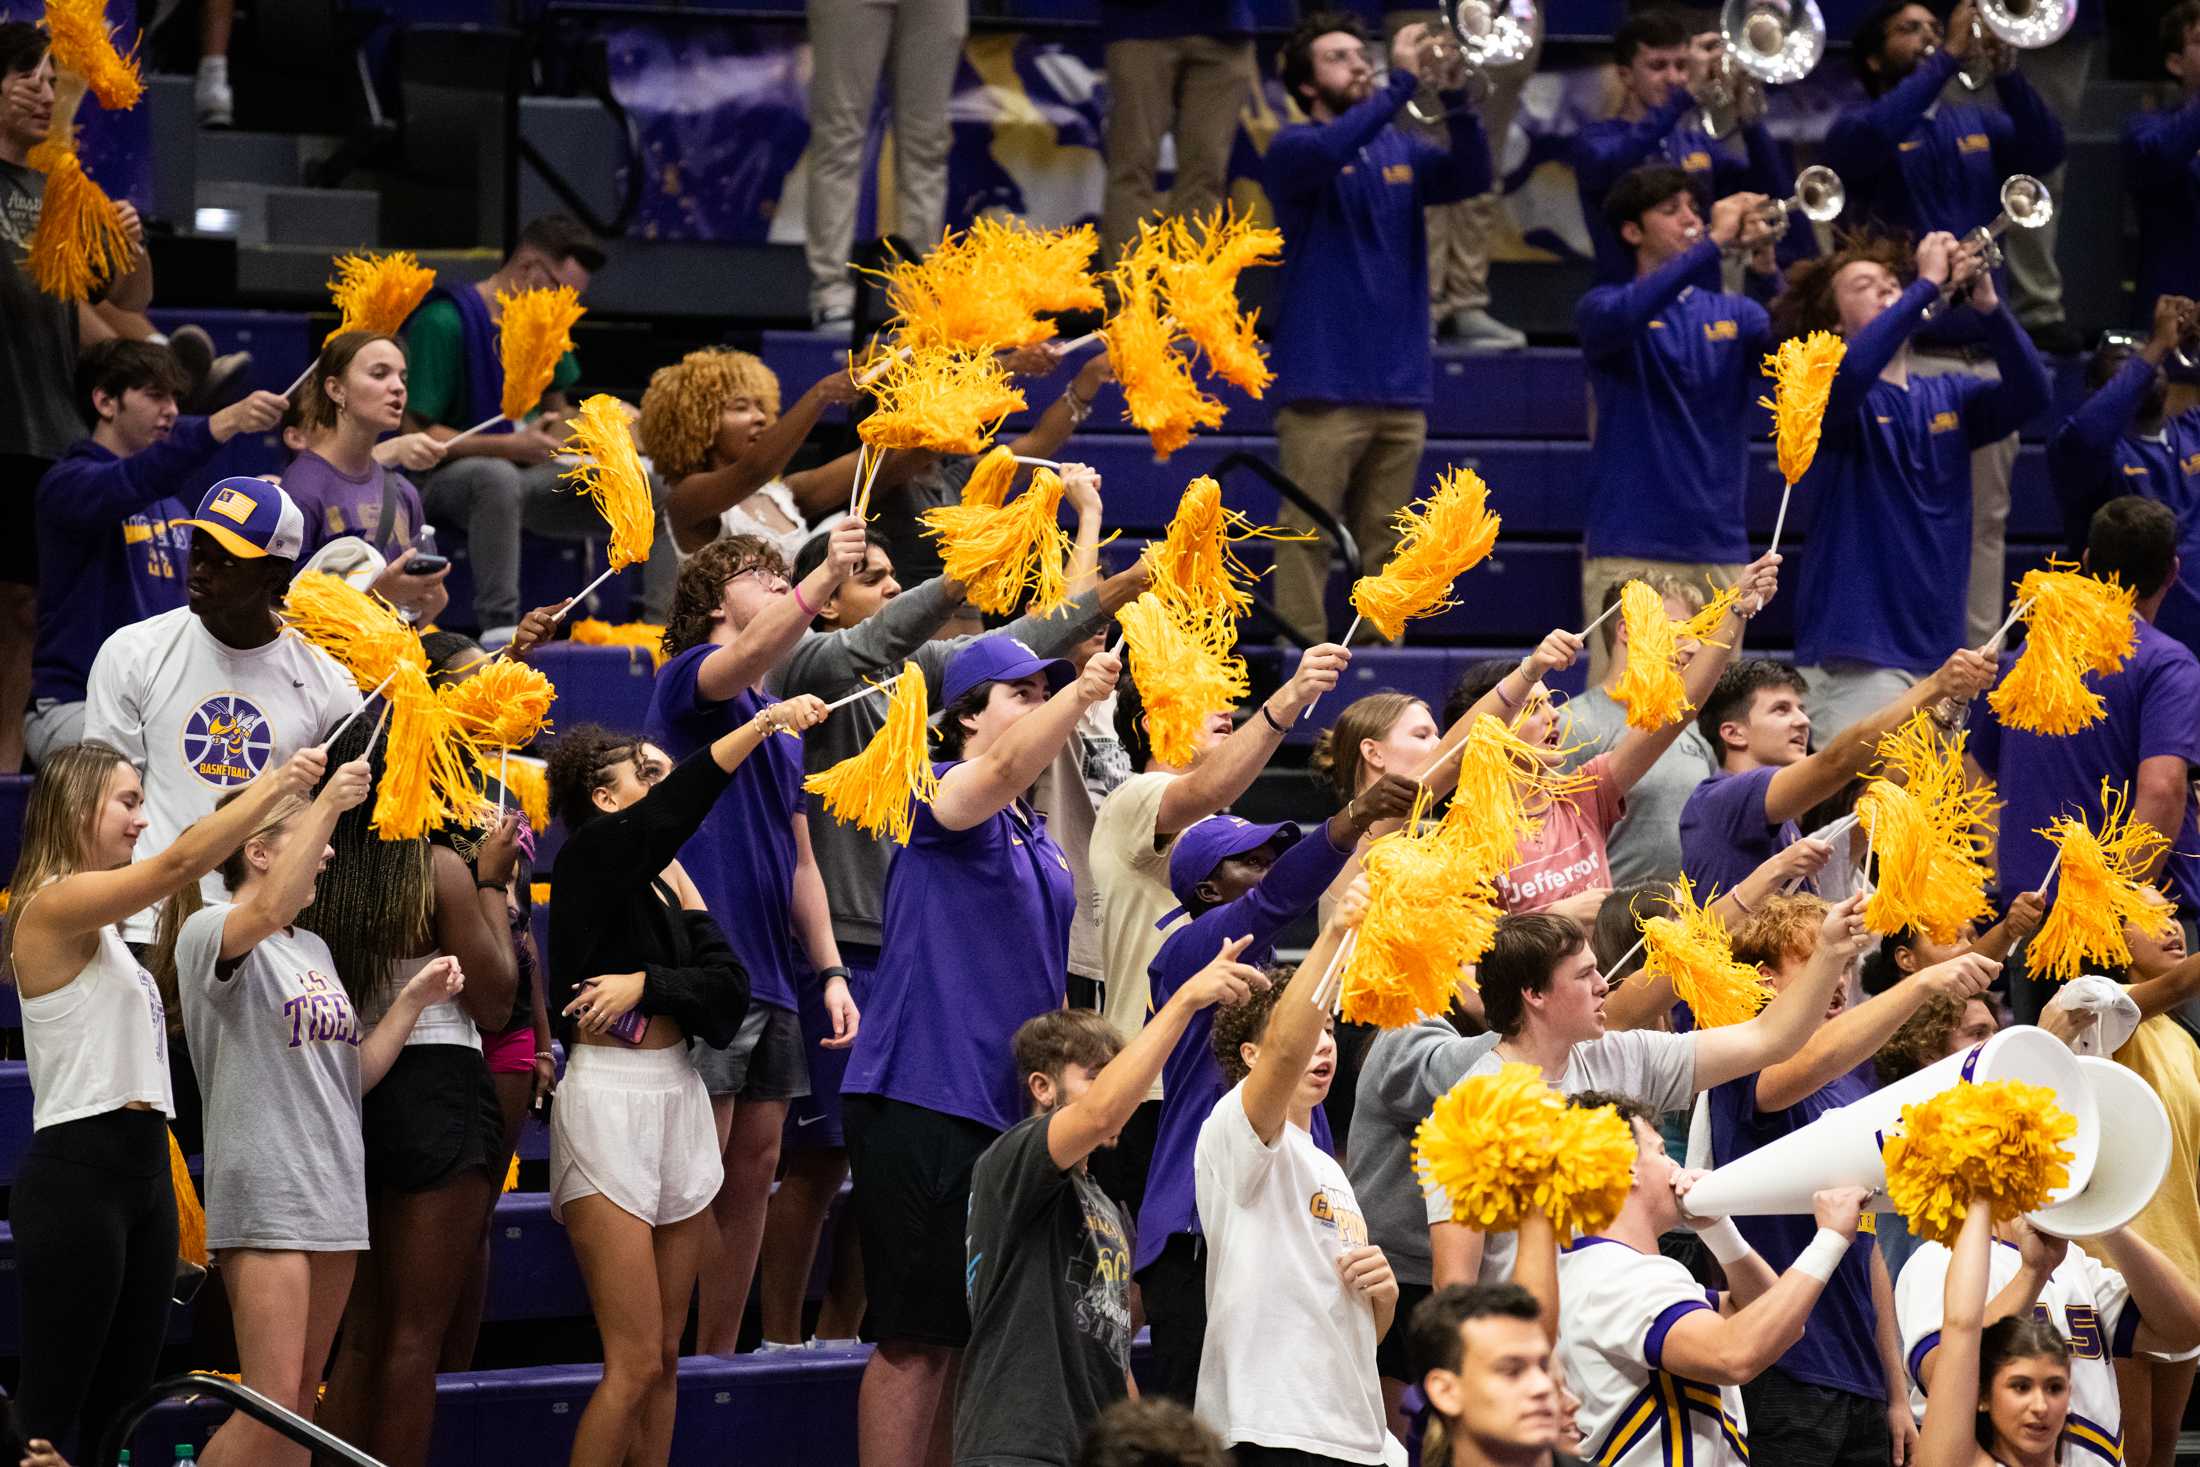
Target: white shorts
(634, 1126)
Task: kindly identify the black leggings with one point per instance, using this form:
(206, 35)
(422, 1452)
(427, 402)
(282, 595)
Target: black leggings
(95, 1249)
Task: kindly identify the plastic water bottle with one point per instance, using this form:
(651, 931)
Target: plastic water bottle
(185, 1452)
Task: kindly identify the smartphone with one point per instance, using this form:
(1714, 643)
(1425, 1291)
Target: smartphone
(426, 565)
(629, 1027)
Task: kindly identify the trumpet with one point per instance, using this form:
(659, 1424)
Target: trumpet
(1819, 197)
(1474, 44)
(2002, 28)
(1762, 43)
(2025, 204)
(2186, 353)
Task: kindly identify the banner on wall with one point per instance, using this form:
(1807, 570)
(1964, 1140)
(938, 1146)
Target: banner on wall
(722, 111)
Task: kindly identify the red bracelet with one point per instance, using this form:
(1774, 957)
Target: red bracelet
(807, 609)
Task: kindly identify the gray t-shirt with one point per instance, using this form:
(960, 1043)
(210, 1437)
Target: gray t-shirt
(37, 335)
(1402, 1076)
(1645, 847)
(276, 1045)
(1647, 1065)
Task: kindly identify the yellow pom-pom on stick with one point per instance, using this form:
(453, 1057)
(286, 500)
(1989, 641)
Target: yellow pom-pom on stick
(1693, 950)
(992, 480)
(79, 244)
(1159, 393)
(1199, 280)
(1193, 567)
(873, 789)
(378, 293)
(1504, 1146)
(1185, 674)
(610, 472)
(1650, 687)
(2002, 1140)
(428, 775)
(1505, 785)
(593, 631)
(1000, 554)
(981, 290)
(2076, 625)
(945, 400)
(1802, 372)
(533, 336)
(504, 705)
(1431, 914)
(82, 44)
(527, 781)
(1929, 834)
(364, 633)
(2101, 887)
(1453, 531)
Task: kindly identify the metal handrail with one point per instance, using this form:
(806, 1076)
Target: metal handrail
(275, 1418)
(596, 83)
(1323, 521)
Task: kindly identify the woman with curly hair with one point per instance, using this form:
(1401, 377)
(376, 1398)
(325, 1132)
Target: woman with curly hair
(712, 426)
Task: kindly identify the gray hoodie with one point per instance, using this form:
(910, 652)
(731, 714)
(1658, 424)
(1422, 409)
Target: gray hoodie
(1402, 1076)
(833, 664)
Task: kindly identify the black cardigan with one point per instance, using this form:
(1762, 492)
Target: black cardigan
(608, 914)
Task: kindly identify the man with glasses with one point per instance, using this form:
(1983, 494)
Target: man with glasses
(2122, 440)
(1352, 337)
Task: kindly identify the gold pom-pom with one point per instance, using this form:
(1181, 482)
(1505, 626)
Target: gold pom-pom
(1504, 1146)
(1702, 626)
(534, 332)
(2076, 625)
(1448, 535)
(1505, 785)
(377, 293)
(593, 631)
(190, 1216)
(1929, 834)
(992, 480)
(1193, 566)
(79, 244)
(1693, 950)
(2002, 1140)
(82, 43)
(1802, 373)
(873, 789)
(2099, 889)
(504, 705)
(945, 400)
(1650, 687)
(428, 769)
(1199, 280)
(610, 472)
(527, 782)
(1185, 672)
(1432, 914)
(1159, 393)
(999, 554)
(363, 632)
(982, 290)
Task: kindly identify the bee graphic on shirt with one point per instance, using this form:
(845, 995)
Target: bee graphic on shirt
(227, 741)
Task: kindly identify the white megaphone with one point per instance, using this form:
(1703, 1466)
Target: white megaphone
(2129, 1163)
(1842, 1148)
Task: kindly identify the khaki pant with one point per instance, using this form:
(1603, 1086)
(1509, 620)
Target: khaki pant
(1841, 693)
(850, 43)
(1459, 233)
(1359, 463)
(1194, 86)
(1600, 573)
(1986, 598)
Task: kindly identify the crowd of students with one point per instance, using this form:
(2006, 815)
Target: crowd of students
(1049, 1038)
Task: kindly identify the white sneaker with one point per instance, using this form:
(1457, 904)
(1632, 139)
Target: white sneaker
(1478, 330)
(211, 97)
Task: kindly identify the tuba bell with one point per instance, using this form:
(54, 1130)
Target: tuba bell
(2002, 28)
(1763, 43)
(2025, 204)
(1476, 43)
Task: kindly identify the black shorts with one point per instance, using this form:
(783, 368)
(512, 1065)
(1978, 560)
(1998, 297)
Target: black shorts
(1394, 1356)
(433, 1118)
(912, 1207)
(19, 476)
(766, 1060)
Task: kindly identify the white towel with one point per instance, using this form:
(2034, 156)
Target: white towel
(2115, 1016)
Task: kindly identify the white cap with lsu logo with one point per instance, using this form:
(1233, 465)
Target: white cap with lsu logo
(252, 518)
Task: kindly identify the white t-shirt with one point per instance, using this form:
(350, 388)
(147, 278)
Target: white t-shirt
(2087, 1301)
(1290, 1352)
(1649, 1065)
(201, 718)
(1615, 1305)
(1130, 882)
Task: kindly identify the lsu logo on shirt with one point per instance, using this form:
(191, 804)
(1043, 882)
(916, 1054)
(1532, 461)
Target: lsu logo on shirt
(1973, 142)
(1943, 422)
(2190, 464)
(1397, 173)
(1721, 331)
(2138, 471)
(1696, 160)
(227, 741)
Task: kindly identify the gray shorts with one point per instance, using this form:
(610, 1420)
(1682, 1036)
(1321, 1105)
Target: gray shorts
(766, 1060)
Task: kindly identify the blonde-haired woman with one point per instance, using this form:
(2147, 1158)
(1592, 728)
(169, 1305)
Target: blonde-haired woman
(712, 426)
(93, 1212)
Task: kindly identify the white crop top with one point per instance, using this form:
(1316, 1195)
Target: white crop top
(442, 1022)
(98, 1042)
(740, 520)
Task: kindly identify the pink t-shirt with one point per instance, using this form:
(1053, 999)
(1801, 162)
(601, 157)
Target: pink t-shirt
(1568, 854)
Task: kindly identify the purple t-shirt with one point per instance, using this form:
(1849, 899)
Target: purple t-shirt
(975, 941)
(1839, 1349)
(2153, 707)
(335, 504)
(742, 859)
(1725, 833)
